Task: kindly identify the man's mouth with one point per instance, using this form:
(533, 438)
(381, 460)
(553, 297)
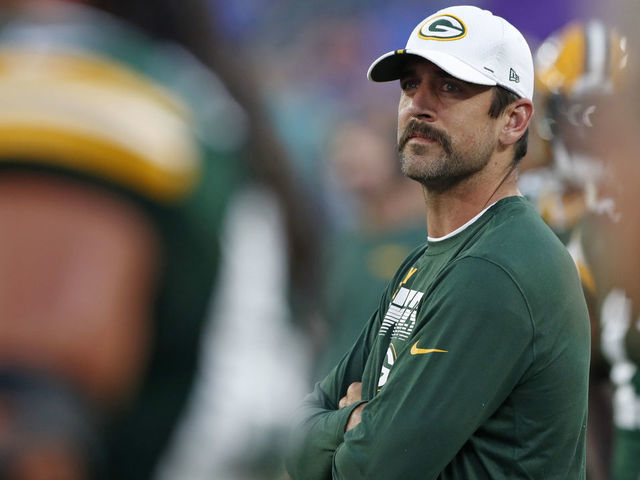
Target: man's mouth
(421, 139)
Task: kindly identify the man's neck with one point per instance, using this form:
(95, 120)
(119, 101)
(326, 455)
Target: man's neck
(449, 210)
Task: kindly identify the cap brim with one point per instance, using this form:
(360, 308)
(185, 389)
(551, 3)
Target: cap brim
(390, 65)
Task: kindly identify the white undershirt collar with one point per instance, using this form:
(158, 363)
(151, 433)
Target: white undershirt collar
(461, 228)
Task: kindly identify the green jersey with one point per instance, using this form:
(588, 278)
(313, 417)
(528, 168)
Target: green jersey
(475, 365)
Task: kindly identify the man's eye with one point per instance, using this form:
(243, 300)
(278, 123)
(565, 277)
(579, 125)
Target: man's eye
(450, 87)
(409, 84)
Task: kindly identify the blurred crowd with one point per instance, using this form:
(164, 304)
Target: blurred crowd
(200, 203)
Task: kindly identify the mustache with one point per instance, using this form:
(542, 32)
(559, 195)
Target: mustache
(416, 128)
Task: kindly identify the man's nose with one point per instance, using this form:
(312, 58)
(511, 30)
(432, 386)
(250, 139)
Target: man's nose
(423, 103)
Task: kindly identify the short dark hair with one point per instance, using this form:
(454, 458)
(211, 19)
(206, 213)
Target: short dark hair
(502, 98)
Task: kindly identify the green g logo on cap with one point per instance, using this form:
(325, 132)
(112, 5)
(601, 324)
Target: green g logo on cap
(443, 27)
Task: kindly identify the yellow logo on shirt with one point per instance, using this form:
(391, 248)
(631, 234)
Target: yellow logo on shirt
(419, 351)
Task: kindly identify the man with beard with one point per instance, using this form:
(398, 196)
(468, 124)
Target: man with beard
(475, 364)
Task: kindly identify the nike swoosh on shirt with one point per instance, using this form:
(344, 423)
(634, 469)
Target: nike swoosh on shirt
(419, 351)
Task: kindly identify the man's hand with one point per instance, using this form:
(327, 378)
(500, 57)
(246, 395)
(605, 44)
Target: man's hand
(354, 394)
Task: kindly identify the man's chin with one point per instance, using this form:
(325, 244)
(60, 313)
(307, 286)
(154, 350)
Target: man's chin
(437, 182)
(419, 148)
(417, 160)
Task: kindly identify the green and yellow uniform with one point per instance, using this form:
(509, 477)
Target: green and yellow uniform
(475, 365)
(87, 97)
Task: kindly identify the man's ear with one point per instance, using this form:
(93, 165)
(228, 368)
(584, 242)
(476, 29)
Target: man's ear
(517, 115)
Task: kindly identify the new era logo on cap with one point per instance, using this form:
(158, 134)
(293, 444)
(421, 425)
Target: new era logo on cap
(470, 44)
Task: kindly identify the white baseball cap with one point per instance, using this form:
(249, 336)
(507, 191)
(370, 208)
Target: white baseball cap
(468, 43)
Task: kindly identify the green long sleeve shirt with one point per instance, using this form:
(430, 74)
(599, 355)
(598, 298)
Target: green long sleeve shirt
(475, 365)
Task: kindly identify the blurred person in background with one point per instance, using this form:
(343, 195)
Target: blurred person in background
(115, 173)
(617, 140)
(386, 223)
(579, 70)
(120, 154)
(575, 67)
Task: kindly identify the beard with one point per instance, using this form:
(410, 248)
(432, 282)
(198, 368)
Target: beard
(449, 168)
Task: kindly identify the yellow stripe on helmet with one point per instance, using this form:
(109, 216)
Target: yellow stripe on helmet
(98, 117)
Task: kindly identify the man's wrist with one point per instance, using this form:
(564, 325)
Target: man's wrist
(355, 418)
(346, 412)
